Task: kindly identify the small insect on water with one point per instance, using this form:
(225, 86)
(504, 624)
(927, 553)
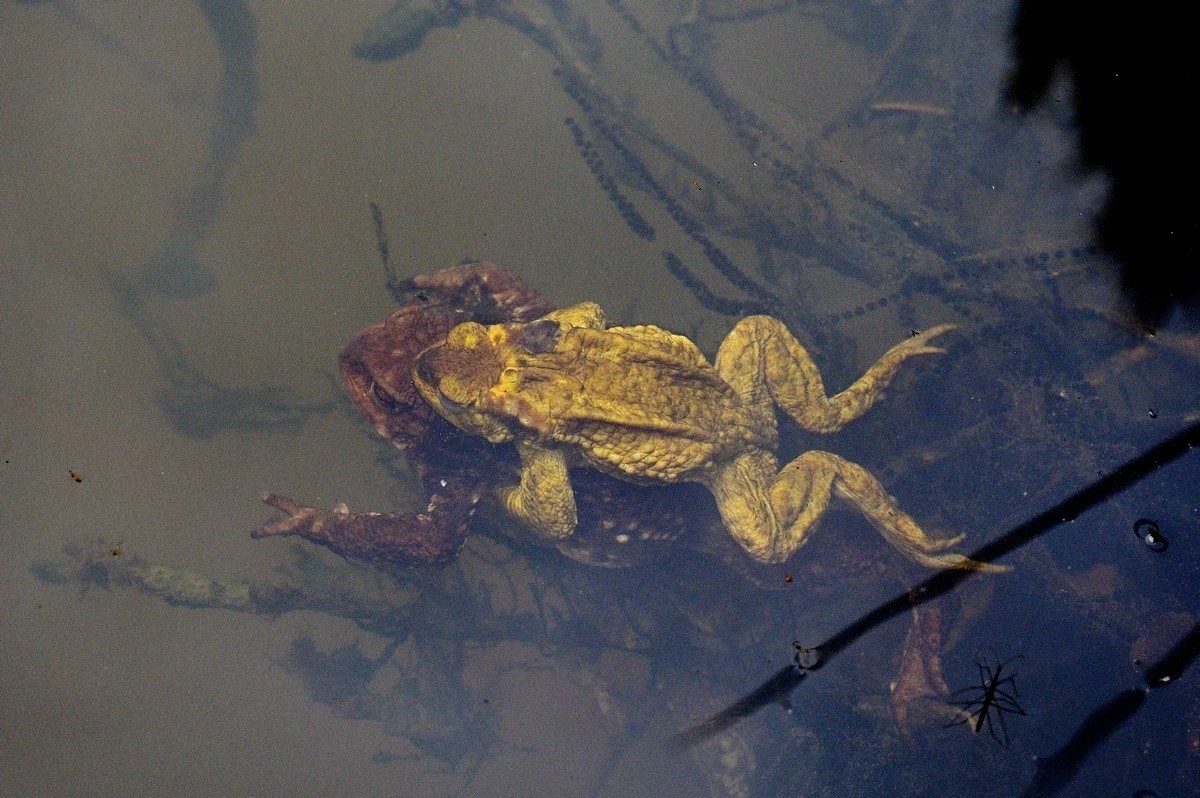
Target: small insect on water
(996, 694)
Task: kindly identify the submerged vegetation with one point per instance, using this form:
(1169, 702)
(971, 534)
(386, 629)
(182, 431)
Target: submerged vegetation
(909, 199)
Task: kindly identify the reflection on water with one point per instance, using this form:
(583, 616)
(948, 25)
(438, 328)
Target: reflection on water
(845, 167)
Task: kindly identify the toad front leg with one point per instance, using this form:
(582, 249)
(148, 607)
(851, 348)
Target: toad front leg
(544, 500)
(400, 539)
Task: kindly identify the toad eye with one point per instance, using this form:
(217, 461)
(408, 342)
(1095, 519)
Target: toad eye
(540, 337)
(448, 403)
(425, 372)
(384, 400)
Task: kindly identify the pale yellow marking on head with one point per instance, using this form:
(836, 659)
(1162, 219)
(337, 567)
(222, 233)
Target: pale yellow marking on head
(468, 335)
(497, 334)
(453, 388)
(510, 379)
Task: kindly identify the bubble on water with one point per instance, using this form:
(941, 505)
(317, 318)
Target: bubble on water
(1149, 533)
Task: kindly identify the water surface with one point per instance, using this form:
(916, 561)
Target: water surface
(186, 243)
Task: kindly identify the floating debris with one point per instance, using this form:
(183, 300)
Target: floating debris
(1150, 534)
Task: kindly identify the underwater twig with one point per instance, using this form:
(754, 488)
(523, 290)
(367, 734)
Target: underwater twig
(381, 243)
(400, 290)
(780, 684)
(175, 269)
(368, 597)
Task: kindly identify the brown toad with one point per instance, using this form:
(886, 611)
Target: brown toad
(645, 405)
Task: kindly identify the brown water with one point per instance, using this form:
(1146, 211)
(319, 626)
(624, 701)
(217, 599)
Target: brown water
(130, 132)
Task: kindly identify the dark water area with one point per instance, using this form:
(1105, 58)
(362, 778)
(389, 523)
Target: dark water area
(198, 203)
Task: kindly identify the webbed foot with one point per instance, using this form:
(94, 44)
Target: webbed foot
(395, 539)
(299, 520)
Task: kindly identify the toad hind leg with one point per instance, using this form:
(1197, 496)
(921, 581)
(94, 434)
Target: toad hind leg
(762, 360)
(771, 515)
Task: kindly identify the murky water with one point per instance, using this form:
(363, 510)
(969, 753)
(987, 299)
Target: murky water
(187, 242)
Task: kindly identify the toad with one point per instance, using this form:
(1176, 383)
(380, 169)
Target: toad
(645, 405)
(619, 524)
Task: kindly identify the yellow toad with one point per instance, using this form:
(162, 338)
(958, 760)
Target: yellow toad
(645, 405)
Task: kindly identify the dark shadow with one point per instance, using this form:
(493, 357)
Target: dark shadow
(775, 690)
(1057, 770)
(1128, 79)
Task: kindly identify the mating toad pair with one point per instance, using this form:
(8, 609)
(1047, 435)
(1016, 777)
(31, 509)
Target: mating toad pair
(645, 406)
